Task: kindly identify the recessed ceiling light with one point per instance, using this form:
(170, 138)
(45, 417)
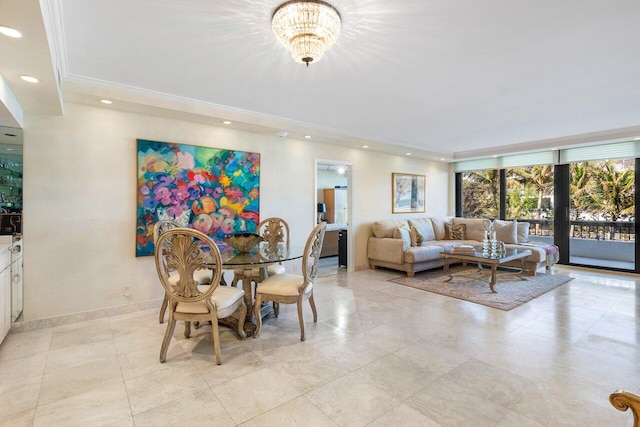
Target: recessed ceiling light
(226, 122)
(9, 149)
(495, 155)
(408, 154)
(308, 136)
(636, 139)
(106, 101)
(10, 32)
(554, 149)
(365, 146)
(441, 159)
(29, 79)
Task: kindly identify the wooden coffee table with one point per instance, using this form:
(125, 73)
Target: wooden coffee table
(511, 255)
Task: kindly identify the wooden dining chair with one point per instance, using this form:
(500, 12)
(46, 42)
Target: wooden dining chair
(293, 288)
(189, 252)
(202, 277)
(274, 231)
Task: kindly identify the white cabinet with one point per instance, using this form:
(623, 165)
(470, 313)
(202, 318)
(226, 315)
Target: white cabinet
(16, 250)
(5, 293)
(336, 201)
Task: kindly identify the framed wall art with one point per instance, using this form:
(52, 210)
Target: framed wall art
(211, 190)
(407, 193)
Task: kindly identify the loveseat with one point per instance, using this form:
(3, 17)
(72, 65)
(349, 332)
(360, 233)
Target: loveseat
(415, 244)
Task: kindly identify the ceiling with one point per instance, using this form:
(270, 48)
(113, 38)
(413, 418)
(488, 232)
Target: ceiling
(441, 79)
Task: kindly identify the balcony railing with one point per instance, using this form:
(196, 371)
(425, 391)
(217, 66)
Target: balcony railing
(596, 230)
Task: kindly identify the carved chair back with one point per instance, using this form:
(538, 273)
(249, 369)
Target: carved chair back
(187, 251)
(312, 254)
(274, 230)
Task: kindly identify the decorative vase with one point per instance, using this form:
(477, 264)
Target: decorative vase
(486, 248)
(494, 249)
(182, 219)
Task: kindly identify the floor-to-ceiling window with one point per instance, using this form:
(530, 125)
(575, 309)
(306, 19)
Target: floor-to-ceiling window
(530, 196)
(582, 199)
(602, 213)
(481, 194)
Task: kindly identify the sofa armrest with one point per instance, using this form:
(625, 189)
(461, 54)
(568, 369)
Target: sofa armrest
(386, 249)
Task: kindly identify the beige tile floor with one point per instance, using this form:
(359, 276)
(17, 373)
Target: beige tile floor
(380, 355)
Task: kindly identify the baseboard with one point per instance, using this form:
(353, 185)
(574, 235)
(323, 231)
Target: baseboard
(66, 319)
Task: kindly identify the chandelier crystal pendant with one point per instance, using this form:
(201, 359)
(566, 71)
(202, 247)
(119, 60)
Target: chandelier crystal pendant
(307, 28)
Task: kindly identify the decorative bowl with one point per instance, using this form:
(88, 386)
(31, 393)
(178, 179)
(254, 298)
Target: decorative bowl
(243, 242)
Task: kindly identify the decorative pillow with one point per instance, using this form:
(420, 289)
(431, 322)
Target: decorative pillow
(523, 232)
(506, 231)
(455, 232)
(403, 233)
(386, 228)
(424, 227)
(474, 227)
(416, 237)
(438, 226)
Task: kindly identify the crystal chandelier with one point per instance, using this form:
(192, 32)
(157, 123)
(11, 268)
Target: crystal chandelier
(307, 28)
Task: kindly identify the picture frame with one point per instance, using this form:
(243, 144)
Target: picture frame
(213, 190)
(408, 193)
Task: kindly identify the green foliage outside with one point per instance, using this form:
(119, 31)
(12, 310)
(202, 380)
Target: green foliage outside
(599, 191)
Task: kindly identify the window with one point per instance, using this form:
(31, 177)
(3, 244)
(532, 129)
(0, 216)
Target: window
(481, 194)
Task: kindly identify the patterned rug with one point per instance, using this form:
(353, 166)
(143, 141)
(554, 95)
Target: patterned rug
(511, 291)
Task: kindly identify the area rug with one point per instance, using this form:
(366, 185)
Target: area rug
(511, 291)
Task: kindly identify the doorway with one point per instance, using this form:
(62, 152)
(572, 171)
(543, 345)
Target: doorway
(333, 186)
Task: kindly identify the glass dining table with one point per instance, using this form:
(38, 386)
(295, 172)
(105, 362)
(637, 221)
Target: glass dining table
(260, 257)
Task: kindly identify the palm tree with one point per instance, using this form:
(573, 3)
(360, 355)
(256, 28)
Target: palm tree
(614, 191)
(538, 178)
(481, 195)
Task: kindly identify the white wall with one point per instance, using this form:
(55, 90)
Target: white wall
(80, 199)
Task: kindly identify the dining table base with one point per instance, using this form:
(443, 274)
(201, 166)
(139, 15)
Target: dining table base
(249, 324)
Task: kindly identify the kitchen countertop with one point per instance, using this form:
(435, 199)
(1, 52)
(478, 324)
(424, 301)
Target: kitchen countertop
(333, 227)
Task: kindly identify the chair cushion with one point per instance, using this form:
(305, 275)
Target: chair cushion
(223, 297)
(281, 284)
(415, 255)
(202, 277)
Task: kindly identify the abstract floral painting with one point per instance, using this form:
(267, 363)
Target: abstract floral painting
(211, 190)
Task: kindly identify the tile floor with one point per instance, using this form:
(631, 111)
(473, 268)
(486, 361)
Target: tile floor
(380, 355)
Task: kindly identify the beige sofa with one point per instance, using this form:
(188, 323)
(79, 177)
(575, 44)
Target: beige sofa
(391, 245)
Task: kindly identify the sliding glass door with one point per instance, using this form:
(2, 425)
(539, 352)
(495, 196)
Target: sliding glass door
(584, 205)
(602, 213)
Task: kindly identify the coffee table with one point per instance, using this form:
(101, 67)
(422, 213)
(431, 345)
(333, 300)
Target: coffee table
(478, 258)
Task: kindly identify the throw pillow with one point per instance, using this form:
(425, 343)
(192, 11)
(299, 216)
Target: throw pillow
(455, 232)
(424, 227)
(403, 233)
(506, 231)
(416, 237)
(523, 232)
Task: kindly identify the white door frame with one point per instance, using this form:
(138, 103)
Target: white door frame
(350, 205)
